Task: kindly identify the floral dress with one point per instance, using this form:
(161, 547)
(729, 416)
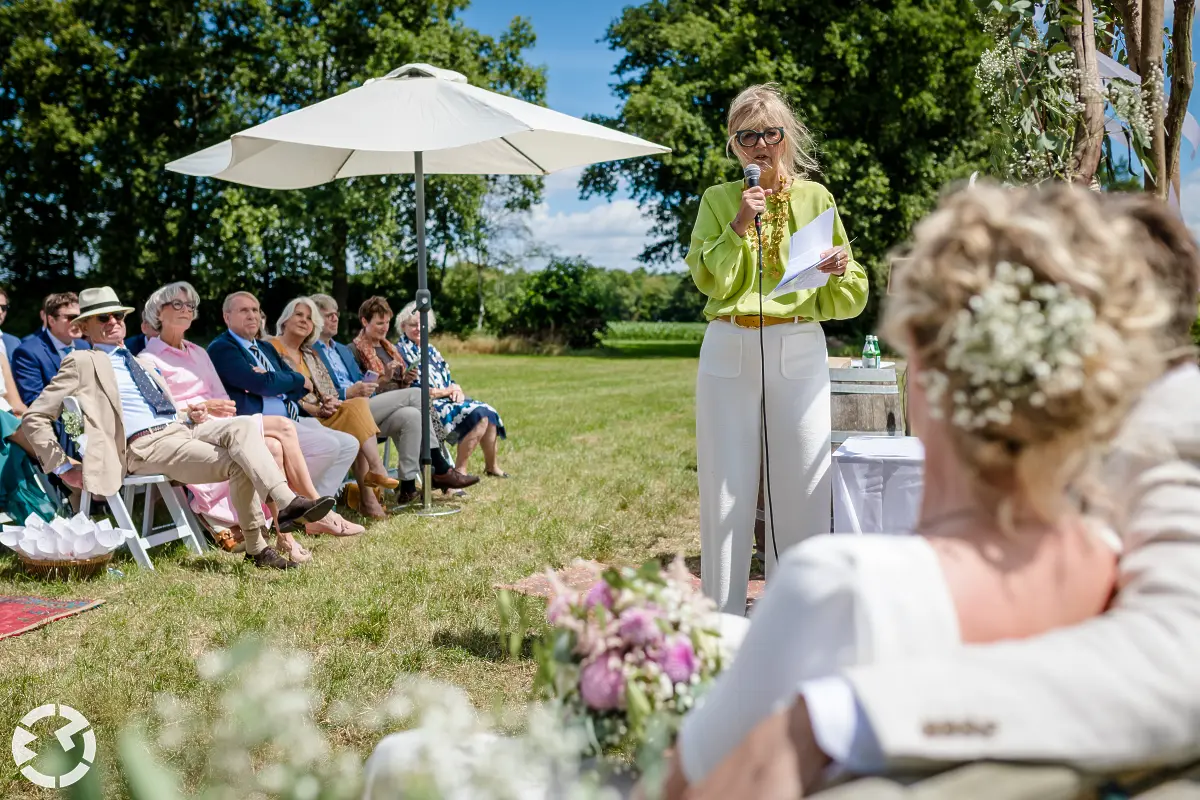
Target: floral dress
(458, 418)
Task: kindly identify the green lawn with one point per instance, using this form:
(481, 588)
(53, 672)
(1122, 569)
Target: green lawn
(602, 454)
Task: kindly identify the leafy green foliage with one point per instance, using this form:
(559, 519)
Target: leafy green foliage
(888, 87)
(95, 99)
(655, 331)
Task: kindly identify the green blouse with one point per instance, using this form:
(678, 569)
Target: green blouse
(725, 268)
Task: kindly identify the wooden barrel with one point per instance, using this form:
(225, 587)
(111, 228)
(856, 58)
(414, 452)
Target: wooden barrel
(864, 402)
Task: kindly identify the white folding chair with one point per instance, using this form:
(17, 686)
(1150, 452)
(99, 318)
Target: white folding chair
(182, 526)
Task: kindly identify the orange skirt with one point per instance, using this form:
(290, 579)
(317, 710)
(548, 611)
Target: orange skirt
(354, 417)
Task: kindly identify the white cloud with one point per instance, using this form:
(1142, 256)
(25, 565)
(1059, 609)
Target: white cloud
(611, 234)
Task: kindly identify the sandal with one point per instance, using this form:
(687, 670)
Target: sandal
(500, 474)
(287, 545)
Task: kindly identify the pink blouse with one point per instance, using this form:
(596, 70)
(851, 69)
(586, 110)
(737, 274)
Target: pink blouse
(189, 373)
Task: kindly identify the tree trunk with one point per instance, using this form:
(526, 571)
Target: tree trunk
(479, 274)
(1151, 72)
(340, 258)
(1131, 23)
(1089, 131)
(1182, 79)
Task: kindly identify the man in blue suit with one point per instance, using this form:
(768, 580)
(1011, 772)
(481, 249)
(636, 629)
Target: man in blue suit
(35, 362)
(396, 412)
(259, 383)
(9, 342)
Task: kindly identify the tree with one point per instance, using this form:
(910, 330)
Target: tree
(888, 87)
(96, 98)
(1048, 100)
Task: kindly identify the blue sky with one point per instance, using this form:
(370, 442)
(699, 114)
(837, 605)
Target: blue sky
(578, 78)
(579, 75)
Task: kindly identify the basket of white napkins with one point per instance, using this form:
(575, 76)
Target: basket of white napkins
(76, 547)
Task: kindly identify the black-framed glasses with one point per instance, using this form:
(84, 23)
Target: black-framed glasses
(103, 319)
(180, 305)
(3, 307)
(750, 137)
(67, 317)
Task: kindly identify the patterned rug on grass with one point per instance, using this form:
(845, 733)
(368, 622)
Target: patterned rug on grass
(21, 614)
(581, 574)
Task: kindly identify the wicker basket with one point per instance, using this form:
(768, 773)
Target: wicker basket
(61, 570)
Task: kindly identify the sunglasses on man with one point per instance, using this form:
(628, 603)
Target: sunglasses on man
(103, 319)
(750, 137)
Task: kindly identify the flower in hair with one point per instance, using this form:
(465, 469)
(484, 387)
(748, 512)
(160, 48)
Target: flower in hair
(1018, 342)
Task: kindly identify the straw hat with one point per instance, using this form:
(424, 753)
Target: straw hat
(99, 301)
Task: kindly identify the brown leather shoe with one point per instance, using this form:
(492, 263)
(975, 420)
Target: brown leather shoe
(302, 510)
(269, 558)
(453, 479)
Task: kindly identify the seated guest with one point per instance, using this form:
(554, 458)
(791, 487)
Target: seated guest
(259, 383)
(145, 436)
(397, 410)
(1031, 322)
(137, 343)
(8, 342)
(10, 398)
(36, 361)
(298, 327)
(467, 422)
(1116, 692)
(192, 379)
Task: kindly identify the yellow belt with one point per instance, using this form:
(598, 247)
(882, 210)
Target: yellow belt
(751, 320)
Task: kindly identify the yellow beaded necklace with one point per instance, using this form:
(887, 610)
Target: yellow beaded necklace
(775, 225)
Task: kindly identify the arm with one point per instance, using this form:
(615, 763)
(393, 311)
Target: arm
(1118, 690)
(844, 296)
(716, 253)
(39, 419)
(235, 371)
(10, 389)
(27, 374)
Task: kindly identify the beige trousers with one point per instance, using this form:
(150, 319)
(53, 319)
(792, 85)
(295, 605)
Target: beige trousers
(221, 449)
(729, 448)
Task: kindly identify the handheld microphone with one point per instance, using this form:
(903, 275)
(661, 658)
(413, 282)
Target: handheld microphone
(752, 173)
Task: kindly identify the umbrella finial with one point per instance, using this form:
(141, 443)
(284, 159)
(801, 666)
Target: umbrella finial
(427, 71)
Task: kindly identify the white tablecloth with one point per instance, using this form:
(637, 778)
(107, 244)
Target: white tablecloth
(877, 484)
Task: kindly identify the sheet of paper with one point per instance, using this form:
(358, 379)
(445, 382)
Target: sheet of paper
(805, 253)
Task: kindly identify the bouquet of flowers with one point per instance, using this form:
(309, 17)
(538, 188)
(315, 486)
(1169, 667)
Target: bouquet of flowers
(627, 657)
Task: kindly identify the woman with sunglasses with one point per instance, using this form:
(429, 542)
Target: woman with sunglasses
(724, 258)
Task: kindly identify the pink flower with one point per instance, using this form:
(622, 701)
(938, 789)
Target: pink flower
(600, 594)
(560, 604)
(601, 683)
(639, 627)
(678, 660)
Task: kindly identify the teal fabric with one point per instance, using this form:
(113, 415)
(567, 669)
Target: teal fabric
(20, 492)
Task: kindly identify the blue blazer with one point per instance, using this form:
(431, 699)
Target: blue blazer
(136, 343)
(11, 343)
(36, 362)
(339, 350)
(246, 387)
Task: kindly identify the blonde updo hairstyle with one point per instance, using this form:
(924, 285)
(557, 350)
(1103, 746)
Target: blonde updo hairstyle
(764, 106)
(1041, 454)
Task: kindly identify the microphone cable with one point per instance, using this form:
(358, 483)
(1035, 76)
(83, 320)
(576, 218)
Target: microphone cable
(769, 522)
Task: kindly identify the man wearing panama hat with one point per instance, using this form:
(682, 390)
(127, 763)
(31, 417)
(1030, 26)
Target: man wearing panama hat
(132, 426)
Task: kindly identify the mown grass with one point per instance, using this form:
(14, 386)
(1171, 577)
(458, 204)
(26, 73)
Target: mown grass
(602, 455)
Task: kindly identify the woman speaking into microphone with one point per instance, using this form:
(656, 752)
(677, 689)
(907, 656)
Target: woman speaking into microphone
(769, 407)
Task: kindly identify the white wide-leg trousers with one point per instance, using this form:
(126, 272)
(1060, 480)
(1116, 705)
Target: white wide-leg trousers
(729, 448)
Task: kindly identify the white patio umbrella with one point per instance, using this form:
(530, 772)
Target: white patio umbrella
(417, 119)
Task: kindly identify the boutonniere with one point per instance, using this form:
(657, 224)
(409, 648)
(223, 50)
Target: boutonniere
(73, 425)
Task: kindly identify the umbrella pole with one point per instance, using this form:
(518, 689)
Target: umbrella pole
(424, 303)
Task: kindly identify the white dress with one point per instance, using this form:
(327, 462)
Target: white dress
(835, 601)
